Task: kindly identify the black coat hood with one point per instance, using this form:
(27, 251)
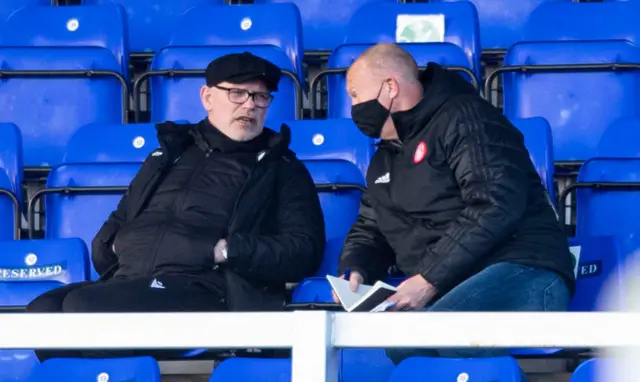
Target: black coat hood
(439, 85)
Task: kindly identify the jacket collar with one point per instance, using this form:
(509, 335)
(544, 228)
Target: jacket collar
(175, 138)
(439, 86)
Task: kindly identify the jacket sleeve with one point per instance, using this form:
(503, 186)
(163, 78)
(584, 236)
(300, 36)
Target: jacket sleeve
(296, 249)
(365, 249)
(102, 255)
(491, 165)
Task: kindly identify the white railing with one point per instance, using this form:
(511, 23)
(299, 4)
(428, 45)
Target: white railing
(315, 336)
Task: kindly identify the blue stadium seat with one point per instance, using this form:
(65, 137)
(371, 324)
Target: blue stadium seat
(502, 22)
(339, 104)
(539, 142)
(619, 139)
(16, 365)
(502, 369)
(324, 30)
(338, 183)
(49, 110)
(138, 369)
(616, 163)
(150, 22)
(252, 370)
(178, 96)
(277, 25)
(370, 366)
(376, 22)
(111, 144)
(578, 105)
(102, 157)
(595, 370)
(10, 180)
(7, 7)
(29, 268)
(573, 21)
(102, 26)
(331, 139)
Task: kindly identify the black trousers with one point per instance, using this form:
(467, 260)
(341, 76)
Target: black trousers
(172, 294)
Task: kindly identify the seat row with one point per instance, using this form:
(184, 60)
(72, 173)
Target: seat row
(64, 67)
(101, 161)
(503, 369)
(501, 22)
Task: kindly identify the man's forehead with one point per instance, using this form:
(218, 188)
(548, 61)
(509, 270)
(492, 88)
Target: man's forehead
(355, 75)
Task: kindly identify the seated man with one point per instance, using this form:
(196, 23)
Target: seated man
(453, 199)
(218, 218)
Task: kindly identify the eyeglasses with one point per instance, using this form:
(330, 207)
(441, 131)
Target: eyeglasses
(241, 96)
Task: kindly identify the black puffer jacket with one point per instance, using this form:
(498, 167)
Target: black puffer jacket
(456, 194)
(199, 187)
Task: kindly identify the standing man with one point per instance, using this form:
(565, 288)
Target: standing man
(453, 199)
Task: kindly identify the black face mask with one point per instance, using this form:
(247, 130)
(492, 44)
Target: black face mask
(370, 116)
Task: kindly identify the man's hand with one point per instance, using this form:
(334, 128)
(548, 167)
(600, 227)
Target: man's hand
(355, 279)
(413, 293)
(220, 251)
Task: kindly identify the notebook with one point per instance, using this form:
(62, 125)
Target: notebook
(368, 298)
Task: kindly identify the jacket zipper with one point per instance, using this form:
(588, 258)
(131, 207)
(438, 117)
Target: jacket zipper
(176, 204)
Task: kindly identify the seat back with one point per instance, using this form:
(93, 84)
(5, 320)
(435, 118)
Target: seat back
(252, 370)
(578, 105)
(10, 177)
(276, 25)
(7, 7)
(339, 205)
(600, 369)
(103, 26)
(111, 144)
(178, 97)
(502, 22)
(11, 155)
(331, 139)
(573, 21)
(150, 22)
(16, 365)
(322, 30)
(48, 110)
(498, 369)
(90, 164)
(139, 369)
(537, 138)
(389, 22)
(596, 208)
(339, 104)
(29, 268)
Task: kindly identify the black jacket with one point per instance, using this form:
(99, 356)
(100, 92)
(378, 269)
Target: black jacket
(196, 189)
(457, 193)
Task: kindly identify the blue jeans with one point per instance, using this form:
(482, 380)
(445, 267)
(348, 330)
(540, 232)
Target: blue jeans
(502, 287)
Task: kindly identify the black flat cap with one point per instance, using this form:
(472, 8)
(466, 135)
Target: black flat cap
(242, 67)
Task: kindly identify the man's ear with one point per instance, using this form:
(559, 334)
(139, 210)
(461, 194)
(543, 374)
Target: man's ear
(392, 87)
(205, 97)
